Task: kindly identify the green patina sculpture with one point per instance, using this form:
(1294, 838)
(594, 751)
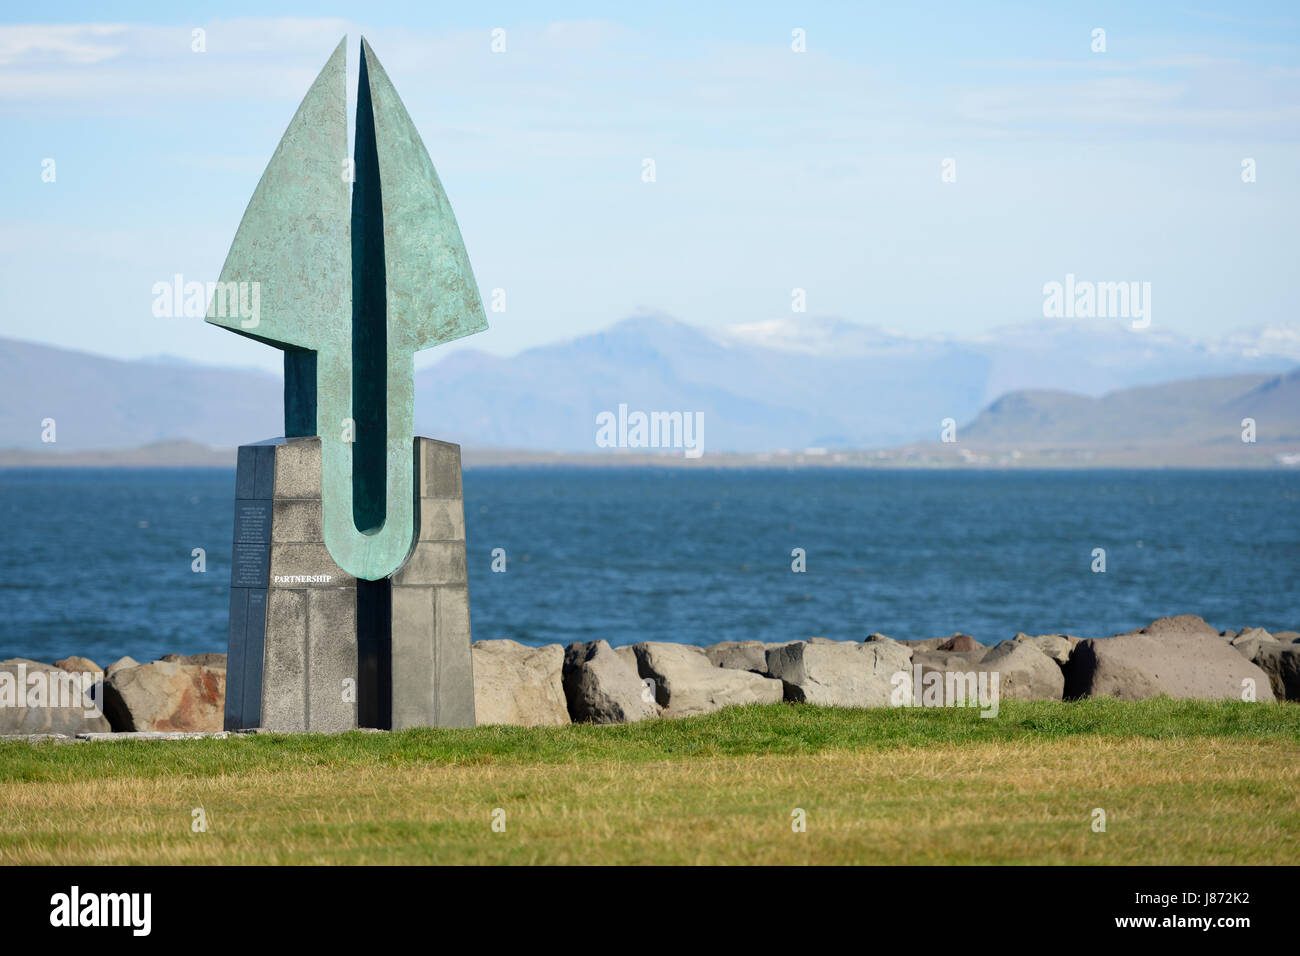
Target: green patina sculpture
(360, 266)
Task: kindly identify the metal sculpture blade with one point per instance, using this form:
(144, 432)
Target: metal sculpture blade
(351, 287)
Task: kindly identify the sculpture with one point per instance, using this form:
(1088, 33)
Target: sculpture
(360, 264)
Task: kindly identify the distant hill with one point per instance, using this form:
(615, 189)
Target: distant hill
(1199, 410)
(166, 454)
(791, 384)
(104, 403)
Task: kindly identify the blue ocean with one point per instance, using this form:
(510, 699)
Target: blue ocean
(101, 562)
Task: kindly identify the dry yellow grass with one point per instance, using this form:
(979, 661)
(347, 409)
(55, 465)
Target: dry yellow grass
(1169, 801)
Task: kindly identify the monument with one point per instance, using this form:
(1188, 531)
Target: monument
(349, 599)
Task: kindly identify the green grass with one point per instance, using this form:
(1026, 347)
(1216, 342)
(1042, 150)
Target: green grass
(1181, 782)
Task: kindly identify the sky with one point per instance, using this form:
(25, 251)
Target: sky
(775, 169)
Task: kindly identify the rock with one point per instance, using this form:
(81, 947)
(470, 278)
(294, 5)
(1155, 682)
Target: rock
(960, 643)
(208, 660)
(628, 655)
(822, 640)
(1178, 624)
(602, 688)
(165, 696)
(41, 699)
(687, 683)
(1281, 662)
(122, 663)
(1249, 640)
(1056, 646)
(1179, 656)
(949, 692)
(957, 642)
(881, 639)
(1287, 637)
(1024, 672)
(842, 675)
(739, 655)
(929, 644)
(519, 685)
(950, 660)
(79, 665)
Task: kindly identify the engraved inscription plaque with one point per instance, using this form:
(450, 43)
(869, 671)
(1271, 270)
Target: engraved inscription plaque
(251, 558)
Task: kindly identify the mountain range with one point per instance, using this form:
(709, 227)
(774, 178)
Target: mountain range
(782, 384)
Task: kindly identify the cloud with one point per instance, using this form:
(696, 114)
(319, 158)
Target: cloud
(69, 44)
(1240, 21)
(94, 64)
(591, 87)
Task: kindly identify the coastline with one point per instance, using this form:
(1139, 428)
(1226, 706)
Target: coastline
(923, 456)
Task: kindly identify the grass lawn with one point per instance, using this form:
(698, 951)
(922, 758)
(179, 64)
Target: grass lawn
(1180, 782)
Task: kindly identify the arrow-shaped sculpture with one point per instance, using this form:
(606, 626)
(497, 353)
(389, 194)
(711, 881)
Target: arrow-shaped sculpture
(355, 278)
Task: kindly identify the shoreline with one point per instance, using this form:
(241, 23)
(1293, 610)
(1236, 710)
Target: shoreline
(592, 682)
(1279, 457)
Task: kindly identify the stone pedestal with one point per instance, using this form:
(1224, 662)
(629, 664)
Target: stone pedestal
(313, 649)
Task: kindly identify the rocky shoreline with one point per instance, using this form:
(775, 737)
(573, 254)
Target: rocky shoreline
(594, 683)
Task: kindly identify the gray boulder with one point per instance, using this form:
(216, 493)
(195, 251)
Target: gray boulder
(1249, 641)
(1024, 672)
(1178, 656)
(602, 688)
(628, 655)
(908, 646)
(739, 655)
(38, 698)
(955, 642)
(687, 683)
(122, 663)
(953, 667)
(1056, 646)
(843, 674)
(1281, 662)
(519, 685)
